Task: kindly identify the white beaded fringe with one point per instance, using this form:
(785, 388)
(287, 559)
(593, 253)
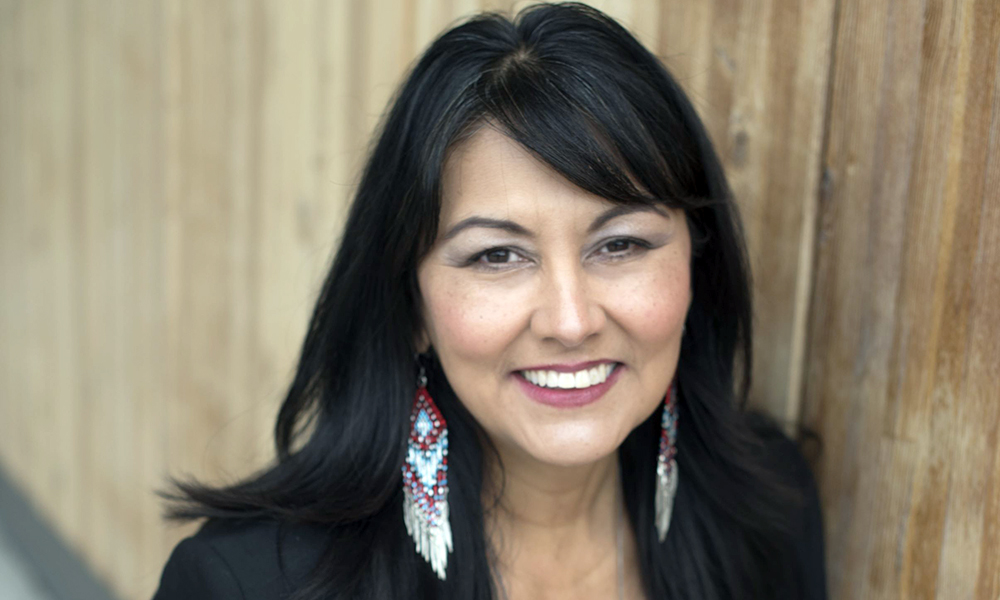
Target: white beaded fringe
(433, 541)
(666, 490)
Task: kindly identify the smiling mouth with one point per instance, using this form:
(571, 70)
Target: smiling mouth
(576, 380)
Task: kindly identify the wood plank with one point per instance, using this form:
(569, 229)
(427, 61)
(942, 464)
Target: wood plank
(52, 189)
(174, 437)
(100, 331)
(14, 97)
(10, 200)
(984, 353)
(908, 454)
(757, 73)
(139, 175)
(967, 360)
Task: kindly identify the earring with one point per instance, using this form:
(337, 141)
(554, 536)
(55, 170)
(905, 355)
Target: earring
(425, 480)
(666, 465)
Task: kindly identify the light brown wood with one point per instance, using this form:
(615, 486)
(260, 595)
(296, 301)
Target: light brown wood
(903, 359)
(757, 73)
(174, 175)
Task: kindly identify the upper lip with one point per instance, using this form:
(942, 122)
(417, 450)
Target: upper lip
(569, 367)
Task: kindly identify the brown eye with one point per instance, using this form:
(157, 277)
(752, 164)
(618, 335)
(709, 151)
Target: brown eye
(621, 249)
(500, 255)
(497, 258)
(618, 246)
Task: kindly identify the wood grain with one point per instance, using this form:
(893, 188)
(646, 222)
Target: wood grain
(902, 364)
(757, 71)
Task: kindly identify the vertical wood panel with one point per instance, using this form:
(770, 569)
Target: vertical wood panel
(173, 439)
(13, 222)
(967, 361)
(757, 73)
(141, 145)
(902, 374)
(99, 291)
(242, 440)
(9, 200)
(35, 254)
(984, 349)
(286, 262)
(49, 181)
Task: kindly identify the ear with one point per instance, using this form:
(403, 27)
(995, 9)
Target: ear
(423, 342)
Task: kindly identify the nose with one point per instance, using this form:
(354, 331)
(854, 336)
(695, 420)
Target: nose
(567, 309)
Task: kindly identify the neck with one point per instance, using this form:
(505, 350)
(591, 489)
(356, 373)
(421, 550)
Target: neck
(554, 528)
(535, 495)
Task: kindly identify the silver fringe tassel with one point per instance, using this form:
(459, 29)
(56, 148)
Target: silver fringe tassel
(666, 465)
(433, 539)
(666, 490)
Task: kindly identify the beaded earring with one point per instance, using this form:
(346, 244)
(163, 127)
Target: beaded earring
(425, 480)
(666, 464)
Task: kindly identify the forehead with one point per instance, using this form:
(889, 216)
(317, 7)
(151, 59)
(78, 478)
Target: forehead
(491, 173)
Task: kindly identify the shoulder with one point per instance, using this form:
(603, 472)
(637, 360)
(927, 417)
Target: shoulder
(242, 559)
(786, 458)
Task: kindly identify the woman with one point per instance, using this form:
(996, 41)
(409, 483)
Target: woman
(518, 381)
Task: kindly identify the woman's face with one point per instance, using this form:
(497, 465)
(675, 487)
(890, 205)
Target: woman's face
(556, 314)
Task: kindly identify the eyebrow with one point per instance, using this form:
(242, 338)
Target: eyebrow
(508, 226)
(621, 210)
(516, 229)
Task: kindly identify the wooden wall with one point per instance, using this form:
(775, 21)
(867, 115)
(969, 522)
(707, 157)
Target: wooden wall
(903, 369)
(173, 176)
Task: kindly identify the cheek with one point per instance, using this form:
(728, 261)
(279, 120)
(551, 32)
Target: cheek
(468, 320)
(653, 304)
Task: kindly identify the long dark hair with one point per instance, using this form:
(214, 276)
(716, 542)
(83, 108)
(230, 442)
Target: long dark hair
(580, 92)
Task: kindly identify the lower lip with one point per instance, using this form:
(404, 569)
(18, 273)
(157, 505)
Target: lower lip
(572, 398)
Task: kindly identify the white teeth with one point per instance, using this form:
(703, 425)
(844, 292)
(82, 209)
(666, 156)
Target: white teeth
(567, 381)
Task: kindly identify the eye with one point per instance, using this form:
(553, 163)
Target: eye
(616, 246)
(496, 259)
(499, 255)
(621, 248)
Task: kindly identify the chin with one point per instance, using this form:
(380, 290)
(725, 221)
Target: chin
(571, 446)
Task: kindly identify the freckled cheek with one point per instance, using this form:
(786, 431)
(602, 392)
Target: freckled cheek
(653, 306)
(472, 321)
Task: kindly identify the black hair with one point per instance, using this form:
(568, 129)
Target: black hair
(578, 91)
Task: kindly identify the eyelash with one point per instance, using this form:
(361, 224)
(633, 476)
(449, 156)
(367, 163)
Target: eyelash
(636, 245)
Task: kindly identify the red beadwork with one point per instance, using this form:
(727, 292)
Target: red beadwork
(425, 469)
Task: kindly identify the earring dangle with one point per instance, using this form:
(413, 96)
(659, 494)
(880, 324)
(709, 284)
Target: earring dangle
(425, 481)
(666, 464)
